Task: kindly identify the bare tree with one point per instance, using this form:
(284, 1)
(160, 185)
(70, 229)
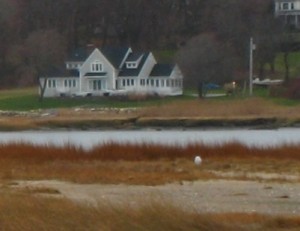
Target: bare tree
(45, 51)
(203, 59)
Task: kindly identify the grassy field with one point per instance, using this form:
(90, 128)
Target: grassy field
(28, 99)
(182, 111)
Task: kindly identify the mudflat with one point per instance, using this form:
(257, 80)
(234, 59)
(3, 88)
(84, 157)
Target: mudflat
(211, 196)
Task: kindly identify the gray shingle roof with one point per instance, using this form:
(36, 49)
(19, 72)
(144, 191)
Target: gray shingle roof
(62, 72)
(161, 70)
(134, 72)
(115, 54)
(79, 55)
(133, 57)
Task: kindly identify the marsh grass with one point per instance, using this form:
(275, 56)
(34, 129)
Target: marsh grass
(20, 211)
(225, 108)
(145, 164)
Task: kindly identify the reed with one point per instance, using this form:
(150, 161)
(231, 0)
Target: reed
(147, 164)
(27, 213)
(226, 108)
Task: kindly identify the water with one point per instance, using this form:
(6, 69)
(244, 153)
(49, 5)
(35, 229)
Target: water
(89, 139)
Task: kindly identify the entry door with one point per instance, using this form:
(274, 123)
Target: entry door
(97, 85)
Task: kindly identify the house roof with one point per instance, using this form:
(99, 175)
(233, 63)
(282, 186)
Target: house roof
(134, 72)
(115, 54)
(134, 56)
(79, 55)
(161, 70)
(62, 73)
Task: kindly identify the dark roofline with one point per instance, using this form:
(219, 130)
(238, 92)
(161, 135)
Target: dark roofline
(161, 70)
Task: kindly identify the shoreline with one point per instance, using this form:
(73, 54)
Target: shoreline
(134, 123)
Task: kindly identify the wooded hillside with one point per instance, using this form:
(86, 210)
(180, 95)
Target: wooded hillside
(31, 28)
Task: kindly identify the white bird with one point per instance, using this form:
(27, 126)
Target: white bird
(197, 160)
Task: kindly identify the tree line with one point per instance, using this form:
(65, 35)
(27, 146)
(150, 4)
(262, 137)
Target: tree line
(35, 33)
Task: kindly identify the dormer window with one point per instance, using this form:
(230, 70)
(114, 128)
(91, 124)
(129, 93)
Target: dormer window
(131, 65)
(97, 66)
(134, 60)
(73, 66)
(287, 6)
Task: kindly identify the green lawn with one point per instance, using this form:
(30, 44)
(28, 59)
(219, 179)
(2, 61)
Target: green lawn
(28, 99)
(294, 63)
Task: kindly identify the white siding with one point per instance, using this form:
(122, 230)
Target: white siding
(107, 68)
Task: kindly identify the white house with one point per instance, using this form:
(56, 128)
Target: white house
(289, 11)
(109, 71)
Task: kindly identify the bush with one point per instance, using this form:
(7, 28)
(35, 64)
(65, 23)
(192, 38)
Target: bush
(293, 89)
(278, 91)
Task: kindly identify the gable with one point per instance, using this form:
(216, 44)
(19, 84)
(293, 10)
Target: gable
(134, 71)
(116, 55)
(96, 63)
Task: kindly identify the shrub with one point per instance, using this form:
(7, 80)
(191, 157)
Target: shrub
(278, 91)
(293, 89)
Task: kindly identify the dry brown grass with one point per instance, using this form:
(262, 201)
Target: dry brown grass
(147, 164)
(192, 110)
(20, 211)
(131, 164)
(250, 107)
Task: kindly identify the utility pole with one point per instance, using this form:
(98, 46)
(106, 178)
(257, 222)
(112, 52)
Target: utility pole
(252, 48)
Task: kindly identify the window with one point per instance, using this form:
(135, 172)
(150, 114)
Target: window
(124, 83)
(96, 66)
(51, 83)
(285, 6)
(162, 83)
(131, 65)
(152, 82)
(132, 82)
(168, 83)
(157, 83)
(97, 85)
(142, 82)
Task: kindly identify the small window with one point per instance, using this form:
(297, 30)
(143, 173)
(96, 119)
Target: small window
(157, 83)
(168, 83)
(96, 66)
(162, 82)
(51, 83)
(74, 83)
(131, 65)
(285, 6)
(124, 83)
(132, 82)
(152, 82)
